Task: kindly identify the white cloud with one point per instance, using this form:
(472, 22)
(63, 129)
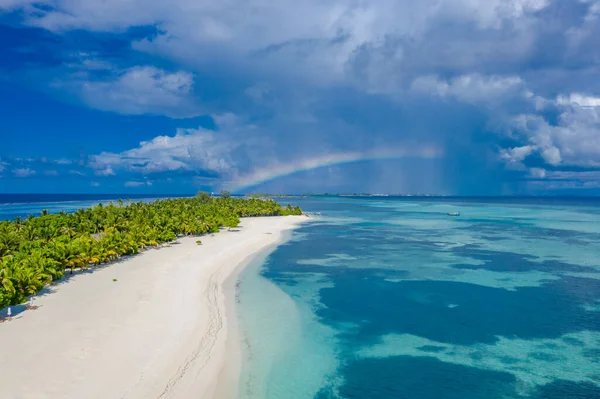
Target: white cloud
(516, 154)
(77, 172)
(295, 57)
(23, 172)
(108, 171)
(137, 183)
(551, 155)
(312, 39)
(472, 88)
(578, 100)
(51, 173)
(573, 140)
(95, 184)
(239, 152)
(138, 90)
(594, 10)
(537, 173)
(188, 150)
(378, 46)
(229, 21)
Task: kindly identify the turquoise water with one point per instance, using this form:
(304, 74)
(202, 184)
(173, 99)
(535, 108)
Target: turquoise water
(392, 298)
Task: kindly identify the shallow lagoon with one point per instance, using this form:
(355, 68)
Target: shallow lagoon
(391, 298)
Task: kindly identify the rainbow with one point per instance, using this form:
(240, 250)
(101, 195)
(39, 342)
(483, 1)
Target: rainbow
(275, 171)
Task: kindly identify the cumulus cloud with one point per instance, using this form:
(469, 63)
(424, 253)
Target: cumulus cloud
(240, 154)
(516, 155)
(236, 148)
(377, 46)
(574, 140)
(23, 172)
(108, 171)
(137, 90)
(473, 88)
(187, 150)
(322, 42)
(537, 173)
(565, 140)
(313, 76)
(137, 183)
(229, 22)
(578, 100)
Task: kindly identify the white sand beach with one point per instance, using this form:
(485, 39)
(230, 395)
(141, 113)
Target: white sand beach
(158, 331)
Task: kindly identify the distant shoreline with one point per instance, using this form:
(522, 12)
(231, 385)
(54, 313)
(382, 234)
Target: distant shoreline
(159, 330)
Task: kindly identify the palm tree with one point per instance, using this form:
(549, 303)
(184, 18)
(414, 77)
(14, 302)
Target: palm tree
(38, 250)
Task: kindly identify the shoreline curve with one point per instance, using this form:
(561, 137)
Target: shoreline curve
(159, 331)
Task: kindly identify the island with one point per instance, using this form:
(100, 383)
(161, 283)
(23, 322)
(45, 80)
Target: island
(127, 299)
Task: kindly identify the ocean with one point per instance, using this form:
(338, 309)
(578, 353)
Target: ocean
(22, 205)
(383, 297)
(392, 298)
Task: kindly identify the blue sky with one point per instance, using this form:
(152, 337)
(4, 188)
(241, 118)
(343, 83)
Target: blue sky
(463, 97)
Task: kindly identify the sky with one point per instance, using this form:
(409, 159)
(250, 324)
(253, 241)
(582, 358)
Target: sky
(454, 97)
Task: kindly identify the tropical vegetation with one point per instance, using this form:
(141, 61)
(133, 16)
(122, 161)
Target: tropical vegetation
(38, 250)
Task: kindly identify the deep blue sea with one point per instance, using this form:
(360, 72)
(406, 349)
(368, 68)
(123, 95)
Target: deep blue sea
(22, 205)
(392, 298)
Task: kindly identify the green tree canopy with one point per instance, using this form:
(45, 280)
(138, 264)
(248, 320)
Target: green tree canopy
(36, 251)
(203, 195)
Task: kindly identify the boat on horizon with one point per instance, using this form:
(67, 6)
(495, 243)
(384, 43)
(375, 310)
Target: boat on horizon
(453, 213)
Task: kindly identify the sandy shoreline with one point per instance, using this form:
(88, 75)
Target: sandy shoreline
(159, 331)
